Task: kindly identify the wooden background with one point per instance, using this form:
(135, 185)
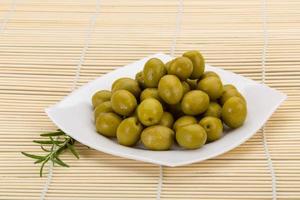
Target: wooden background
(43, 44)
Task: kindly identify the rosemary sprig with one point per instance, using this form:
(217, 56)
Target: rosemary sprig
(53, 148)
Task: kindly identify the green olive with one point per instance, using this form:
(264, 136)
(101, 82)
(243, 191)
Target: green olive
(186, 87)
(154, 69)
(123, 102)
(212, 86)
(103, 107)
(127, 84)
(107, 124)
(195, 102)
(213, 127)
(129, 131)
(227, 94)
(140, 79)
(213, 110)
(184, 121)
(157, 138)
(193, 83)
(191, 136)
(168, 64)
(228, 86)
(150, 111)
(170, 89)
(150, 93)
(100, 96)
(210, 74)
(182, 67)
(167, 120)
(198, 63)
(234, 112)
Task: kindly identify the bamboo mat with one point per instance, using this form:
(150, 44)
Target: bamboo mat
(44, 43)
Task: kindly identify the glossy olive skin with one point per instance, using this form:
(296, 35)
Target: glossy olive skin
(228, 86)
(140, 79)
(107, 124)
(191, 136)
(157, 138)
(194, 102)
(227, 94)
(103, 107)
(150, 111)
(193, 83)
(186, 87)
(100, 97)
(234, 112)
(123, 102)
(154, 69)
(198, 63)
(167, 120)
(127, 84)
(129, 131)
(212, 86)
(170, 89)
(210, 74)
(213, 110)
(213, 127)
(182, 67)
(168, 64)
(184, 121)
(150, 93)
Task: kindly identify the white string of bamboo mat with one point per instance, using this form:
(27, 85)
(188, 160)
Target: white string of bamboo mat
(8, 15)
(263, 64)
(89, 32)
(172, 51)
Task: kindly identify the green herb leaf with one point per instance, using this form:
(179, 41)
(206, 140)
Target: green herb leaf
(60, 162)
(58, 133)
(32, 156)
(47, 142)
(73, 151)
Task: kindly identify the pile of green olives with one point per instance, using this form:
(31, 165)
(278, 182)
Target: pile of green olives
(177, 102)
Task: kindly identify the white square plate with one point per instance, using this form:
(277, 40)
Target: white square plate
(74, 115)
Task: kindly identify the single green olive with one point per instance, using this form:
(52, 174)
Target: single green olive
(195, 102)
(198, 63)
(193, 83)
(128, 84)
(213, 110)
(150, 111)
(184, 121)
(170, 89)
(213, 127)
(157, 138)
(191, 136)
(227, 94)
(123, 102)
(140, 79)
(129, 131)
(103, 107)
(154, 69)
(100, 96)
(107, 124)
(167, 120)
(212, 86)
(182, 67)
(210, 74)
(186, 87)
(234, 112)
(228, 86)
(150, 93)
(168, 64)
